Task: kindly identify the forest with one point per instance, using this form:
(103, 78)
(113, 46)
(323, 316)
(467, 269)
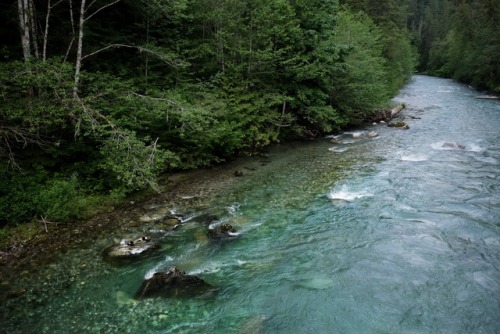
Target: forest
(99, 98)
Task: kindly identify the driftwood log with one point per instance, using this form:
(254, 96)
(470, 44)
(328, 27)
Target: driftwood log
(387, 114)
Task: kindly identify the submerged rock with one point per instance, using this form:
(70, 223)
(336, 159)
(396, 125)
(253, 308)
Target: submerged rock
(317, 283)
(128, 249)
(453, 146)
(222, 231)
(173, 283)
(123, 299)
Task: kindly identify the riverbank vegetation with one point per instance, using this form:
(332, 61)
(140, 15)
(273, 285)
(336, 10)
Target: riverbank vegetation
(101, 97)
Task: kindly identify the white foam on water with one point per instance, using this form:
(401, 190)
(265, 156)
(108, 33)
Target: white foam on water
(465, 147)
(214, 224)
(337, 149)
(348, 195)
(414, 157)
(354, 134)
(158, 267)
(439, 146)
(474, 148)
(233, 208)
(248, 227)
(333, 136)
(210, 268)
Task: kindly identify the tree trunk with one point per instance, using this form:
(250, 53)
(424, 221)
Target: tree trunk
(22, 7)
(31, 18)
(79, 54)
(46, 32)
(78, 64)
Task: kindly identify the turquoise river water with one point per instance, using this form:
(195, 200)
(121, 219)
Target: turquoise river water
(346, 234)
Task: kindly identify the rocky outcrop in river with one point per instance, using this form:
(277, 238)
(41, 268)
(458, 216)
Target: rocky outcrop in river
(398, 124)
(129, 249)
(222, 231)
(173, 283)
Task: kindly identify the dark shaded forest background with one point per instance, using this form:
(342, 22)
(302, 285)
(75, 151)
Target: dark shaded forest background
(100, 97)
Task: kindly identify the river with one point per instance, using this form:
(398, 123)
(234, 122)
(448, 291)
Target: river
(347, 234)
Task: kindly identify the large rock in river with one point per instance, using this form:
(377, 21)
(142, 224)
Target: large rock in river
(129, 249)
(173, 283)
(222, 231)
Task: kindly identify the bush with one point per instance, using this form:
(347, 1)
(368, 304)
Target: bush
(61, 200)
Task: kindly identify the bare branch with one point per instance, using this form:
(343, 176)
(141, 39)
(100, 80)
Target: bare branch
(91, 4)
(15, 136)
(68, 50)
(140, 48)
(103, 7)
(45, 222)
(92, 116)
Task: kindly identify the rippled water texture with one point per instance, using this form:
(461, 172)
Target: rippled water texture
(351, 234)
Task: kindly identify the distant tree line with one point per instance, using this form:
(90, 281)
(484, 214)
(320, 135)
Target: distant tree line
(459, 39)
(99, 97)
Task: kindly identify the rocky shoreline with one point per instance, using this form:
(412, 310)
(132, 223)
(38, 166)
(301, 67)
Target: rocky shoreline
(188, 189)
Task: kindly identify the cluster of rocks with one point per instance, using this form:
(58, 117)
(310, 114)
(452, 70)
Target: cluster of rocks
(385, 116)
(173, 282)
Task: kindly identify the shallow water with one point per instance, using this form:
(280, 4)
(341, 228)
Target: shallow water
(392, 234)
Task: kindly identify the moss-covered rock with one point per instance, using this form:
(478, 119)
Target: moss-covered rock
(398, 124)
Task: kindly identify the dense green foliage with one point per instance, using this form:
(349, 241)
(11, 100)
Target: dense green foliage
(459, 39)
(166, 85)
